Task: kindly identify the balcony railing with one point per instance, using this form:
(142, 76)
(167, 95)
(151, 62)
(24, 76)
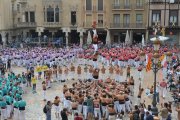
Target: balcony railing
(127, 25)
(22, 1)
(116, 6)
(52, 24)
(173, 24)
(26, 25)
(141, 6)
(121, 7)
(156, 1)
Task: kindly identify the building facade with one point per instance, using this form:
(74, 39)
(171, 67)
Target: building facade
(164, 14)
(70, 20)
(128, 15)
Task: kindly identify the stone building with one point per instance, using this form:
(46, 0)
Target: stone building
(70, 20)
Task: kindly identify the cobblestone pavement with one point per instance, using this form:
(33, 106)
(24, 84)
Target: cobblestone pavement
(35, 103)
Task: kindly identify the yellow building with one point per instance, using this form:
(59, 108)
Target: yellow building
(128, 15)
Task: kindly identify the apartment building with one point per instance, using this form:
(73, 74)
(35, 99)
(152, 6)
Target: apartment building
(164, 14)
(128, 15)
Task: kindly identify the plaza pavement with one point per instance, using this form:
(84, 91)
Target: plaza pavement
(35, 103)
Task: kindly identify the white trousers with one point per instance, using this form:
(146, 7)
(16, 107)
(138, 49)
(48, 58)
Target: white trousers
(163, 92)
(3, 114)
(122, 107)
(116, 106)
(80, 107)
(44, 94)
(16, 114)
(8, 111)
(97, 112)
(95, 46)
(85, 111)
(22, 115)
(128, 105)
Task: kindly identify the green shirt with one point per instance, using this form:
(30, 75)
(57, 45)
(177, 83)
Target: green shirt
(22, 103)
(3, 104)
(16, 104)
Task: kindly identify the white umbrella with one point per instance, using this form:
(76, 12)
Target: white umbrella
(127, 39)
(108, 39)
(143, 40)
(89, 39)
(161, 38)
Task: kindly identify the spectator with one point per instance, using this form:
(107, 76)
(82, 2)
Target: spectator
(77, 117)
(164, 112)
(149, 116)
(48, 110)
(64, 114)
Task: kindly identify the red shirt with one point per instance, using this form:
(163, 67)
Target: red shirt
(78, 118)
(163, 84)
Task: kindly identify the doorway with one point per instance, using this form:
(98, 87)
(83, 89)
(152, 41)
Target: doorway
(74, 35)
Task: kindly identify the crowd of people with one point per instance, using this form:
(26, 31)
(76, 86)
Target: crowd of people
(103, 86)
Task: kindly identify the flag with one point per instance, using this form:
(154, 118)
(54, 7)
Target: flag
(149, 63)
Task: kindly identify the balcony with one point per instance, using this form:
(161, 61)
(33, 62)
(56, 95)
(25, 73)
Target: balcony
(127, 26)
(173, 25)
(22, 1)
(139, 7)
(121, 7)
(26, 25)
(157, 1)
(116, 6)
(52, 24)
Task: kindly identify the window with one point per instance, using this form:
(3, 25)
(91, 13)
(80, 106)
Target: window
(156, 16)
(100, 4)
(139, 3)
(116, 18)
(73, 17)
(57, 14)
(18, 7)
(50, 14)
(126, 20)
(88, 20)
(19, 19)
(139, 18)
(126, 3)
(88, 4)
(32, 17)
(116, 4)
(173, 17)
(26, 17)
(100, 20)
(44, 14)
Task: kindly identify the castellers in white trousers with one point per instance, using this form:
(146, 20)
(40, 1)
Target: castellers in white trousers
(22, 115)
(122, 107)
(97, 112)
(3, 114)
(16, 114)
(85, 111)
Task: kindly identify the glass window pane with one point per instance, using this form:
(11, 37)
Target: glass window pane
(88, 4)
(32, 17)
(116, 18)
(50, 14)
(27, 16)
(57, 14)
(100, 4)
